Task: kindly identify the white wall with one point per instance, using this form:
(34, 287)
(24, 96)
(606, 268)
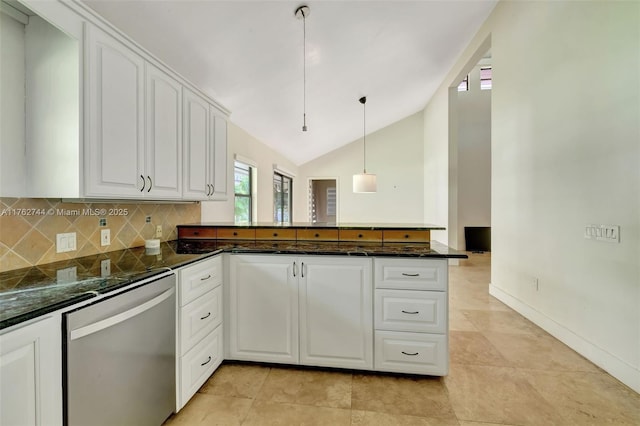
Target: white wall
(394, 154)
(565, 153)
(474, 157)
(242, 143)
(12, 132)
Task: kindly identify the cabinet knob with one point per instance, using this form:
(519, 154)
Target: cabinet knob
(235, 234)
(317, 235)
(359, 235)
(275, 234)
(406, 235)
(196, 233)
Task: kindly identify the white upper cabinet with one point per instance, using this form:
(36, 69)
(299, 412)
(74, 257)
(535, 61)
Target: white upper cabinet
(163, 148)
(205, 150)
(197, 185)
(219, 171)
(115, 99)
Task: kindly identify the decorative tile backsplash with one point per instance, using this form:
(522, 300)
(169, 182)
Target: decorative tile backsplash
(28, 227)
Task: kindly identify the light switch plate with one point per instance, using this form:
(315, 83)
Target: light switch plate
(67, 275)
(65, 242)
(105, 267)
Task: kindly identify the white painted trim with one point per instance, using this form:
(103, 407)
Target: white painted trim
(283, 171)
(621, 370)
(14, 13)
(245, 160)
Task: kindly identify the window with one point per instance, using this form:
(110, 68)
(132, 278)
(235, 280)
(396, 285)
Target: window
(485, 78)
(242, 185)
(464, 84)
(282, 198)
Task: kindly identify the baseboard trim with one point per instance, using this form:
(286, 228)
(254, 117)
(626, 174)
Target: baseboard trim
(627, 374)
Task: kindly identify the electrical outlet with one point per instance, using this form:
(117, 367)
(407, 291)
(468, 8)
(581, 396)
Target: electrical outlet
(65, 242)
(105, 267)
(159, 231)
(105, 237)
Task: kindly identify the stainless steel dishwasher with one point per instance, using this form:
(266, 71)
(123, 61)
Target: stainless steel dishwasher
(120, 358)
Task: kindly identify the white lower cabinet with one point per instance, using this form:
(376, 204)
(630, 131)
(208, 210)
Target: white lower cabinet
(263, 310)
(336, 327)
(312, 310)
(200, 332)
(411, 315)
(31, 374)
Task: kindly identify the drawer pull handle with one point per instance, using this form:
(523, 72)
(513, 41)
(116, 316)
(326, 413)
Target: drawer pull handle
(209, 360)
(205, 278)
(275, 234)
(196, 233)
(317, 235)
(406, 235)
(411, 312)
(413, 354)
(206, 316)
(295, 268)
(235, 234)
(410, 275)
(360, 235)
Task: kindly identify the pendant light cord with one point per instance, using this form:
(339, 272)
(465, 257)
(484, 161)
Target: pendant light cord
(304, 71)
(363, 101)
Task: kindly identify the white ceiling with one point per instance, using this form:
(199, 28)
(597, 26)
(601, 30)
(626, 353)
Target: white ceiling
(248, 56)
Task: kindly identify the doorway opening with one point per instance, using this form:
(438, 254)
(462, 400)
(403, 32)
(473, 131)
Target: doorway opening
(323, 200)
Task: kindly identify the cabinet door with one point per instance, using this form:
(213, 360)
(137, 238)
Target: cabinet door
(163, 148)
(219, 164)
(31, 374)
(115, 146)
(336, 310)
(196, 183)
(263, 311)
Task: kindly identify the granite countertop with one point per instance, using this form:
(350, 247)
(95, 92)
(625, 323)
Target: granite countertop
(431, 250)
(316, 225)
(30, 292)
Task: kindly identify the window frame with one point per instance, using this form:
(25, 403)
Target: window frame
(484, 80)
(249, 196)
(282, 177)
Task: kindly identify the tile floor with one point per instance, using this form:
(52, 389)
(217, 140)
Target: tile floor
(504, 370)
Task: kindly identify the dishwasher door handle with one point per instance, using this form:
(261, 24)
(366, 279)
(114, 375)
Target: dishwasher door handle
(118, 318)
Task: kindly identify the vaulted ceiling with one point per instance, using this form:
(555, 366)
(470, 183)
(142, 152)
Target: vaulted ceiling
(248, 55)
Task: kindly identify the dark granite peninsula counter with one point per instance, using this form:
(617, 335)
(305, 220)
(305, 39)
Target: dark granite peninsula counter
(30, 292)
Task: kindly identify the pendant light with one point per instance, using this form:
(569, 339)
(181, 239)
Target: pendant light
(364, 182)
(301, 13)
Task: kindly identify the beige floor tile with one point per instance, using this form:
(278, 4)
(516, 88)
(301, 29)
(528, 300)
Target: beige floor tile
(459, 322)
(411, 395)
(467, 423)
(472, 347)
(240, 380)
(212, 410)
(497, 395)
(503, 322)
(372, 418)
(307, 387)
(588, 398)
(267, 413)
(542, 352)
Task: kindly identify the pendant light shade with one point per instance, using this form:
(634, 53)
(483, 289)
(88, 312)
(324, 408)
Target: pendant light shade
(364, 182)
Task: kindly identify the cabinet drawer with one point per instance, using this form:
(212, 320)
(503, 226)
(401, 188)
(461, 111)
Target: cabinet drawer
(196, 280)
(199, 363)
(317, 234)
(360, 235)
(398, 236)
(199, 318)
(407, 310)
(411, 274)
(196, 232)
(418, 353)
(236, 234)
(275, 234)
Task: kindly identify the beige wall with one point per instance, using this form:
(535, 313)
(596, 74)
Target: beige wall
(394, 154)
(28, 227)
(242, 143)
(565, 153)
